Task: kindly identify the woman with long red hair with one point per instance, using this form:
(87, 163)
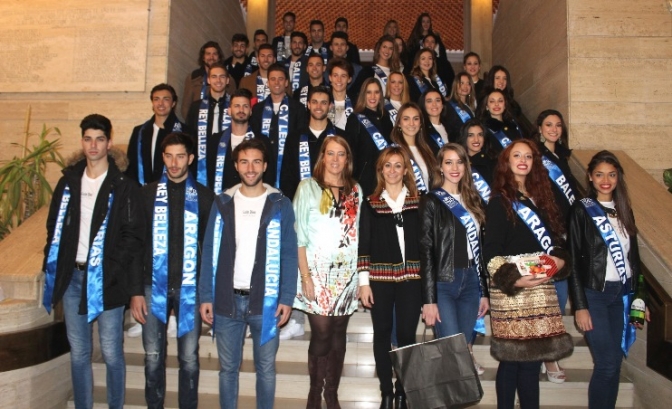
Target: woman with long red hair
(523, 225)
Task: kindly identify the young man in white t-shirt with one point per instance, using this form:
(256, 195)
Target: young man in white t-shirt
(94, 237)
(251, 238)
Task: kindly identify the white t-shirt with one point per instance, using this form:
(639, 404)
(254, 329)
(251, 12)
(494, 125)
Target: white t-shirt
(248, 217)
(90, 189)
(276, 107)
(339, 114)
(624, 238)
(155, 135)
(386, 70)
(395, 104)
(417, 157)
(236, 140)
(316, 132)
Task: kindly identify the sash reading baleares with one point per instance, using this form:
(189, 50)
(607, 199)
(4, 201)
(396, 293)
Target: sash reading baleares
(160, 248)
(556, 175)
(618, 256)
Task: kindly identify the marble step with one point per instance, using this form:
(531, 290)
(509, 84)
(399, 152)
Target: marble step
(21, 314)
(358, 383)
(135, 399)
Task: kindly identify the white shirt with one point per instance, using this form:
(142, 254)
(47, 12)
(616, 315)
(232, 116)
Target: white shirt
(386, 70)
(624, 239)
(236, 140)
(442, 131)
(395, 104)
(248, 217)
(339, 114)
(276, 107)
(90, 189)
(155, 135)
(316, 132)
(417, 157)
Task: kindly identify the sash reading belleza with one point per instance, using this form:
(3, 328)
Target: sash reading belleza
(283, 128)
(305, 171)
(202, 133)
(177, 127)
(160, 249)
(618, 256)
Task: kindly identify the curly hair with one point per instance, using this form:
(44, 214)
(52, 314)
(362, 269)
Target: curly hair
(537, 184)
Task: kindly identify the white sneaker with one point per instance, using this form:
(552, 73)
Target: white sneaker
(135, 331)
(172, 327)
(291, 330)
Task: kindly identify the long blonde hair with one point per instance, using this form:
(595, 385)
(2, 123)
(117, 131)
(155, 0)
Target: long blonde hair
(470, 197)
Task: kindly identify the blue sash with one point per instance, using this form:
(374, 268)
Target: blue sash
(283, 127)
(534, 223)
(556, 175)
(417, 175)
(481, 185)
(160, 247)
(501, 138)
(392, 111)
(203, 110)
(376, 136)
(464, 115)
(177, 127)
(223, 146)
(602, 224)
(262, 89)
(323, 52)
(303, 98)
(304, 153)
(251, 66)
(280, 50)
(269, 328)
(94, 269)
(472, 236)
(295, 75)
(441, 85)
(380, 74)
(436, 137)
(217, 233)
(52, 258)
(204, 86)
(421, 84)
(348, 107)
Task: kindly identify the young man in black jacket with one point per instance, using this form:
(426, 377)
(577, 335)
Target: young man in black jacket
(94, 233)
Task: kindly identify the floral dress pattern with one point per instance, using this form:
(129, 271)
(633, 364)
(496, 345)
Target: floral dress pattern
(331, 241)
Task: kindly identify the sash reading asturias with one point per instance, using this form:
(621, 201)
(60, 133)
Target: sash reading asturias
(380, 74)
(464, 115)
(52, 258)
(224, 143)
(392, 111)
(177, 127)
(534, 223)
(618, 256)
(556, 175)
(472, 237)
(481, 185)
(323, 53)
(283, 127)
(262, 89)
(160, 248)
(269, 326)
(202, 132)
(305, 171)
(94, 269)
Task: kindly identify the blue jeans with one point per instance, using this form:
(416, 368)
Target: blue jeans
(522, 377)
(80, 333)
(154, 342)
(230, 335)
(458, 303)
(562, 290)
(606, 313)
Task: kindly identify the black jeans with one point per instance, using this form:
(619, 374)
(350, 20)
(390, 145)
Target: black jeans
(403, 299)
(520, 376)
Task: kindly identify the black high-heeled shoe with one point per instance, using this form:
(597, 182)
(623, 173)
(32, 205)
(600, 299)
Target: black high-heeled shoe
(400, 402)
(387, 402)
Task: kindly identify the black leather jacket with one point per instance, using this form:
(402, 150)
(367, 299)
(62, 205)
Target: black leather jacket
(437, 239)
(589, 256)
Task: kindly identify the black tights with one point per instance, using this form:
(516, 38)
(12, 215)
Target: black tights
(327, 334)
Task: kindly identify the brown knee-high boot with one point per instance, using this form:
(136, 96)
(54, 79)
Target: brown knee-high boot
(333, 379)
(317, 369)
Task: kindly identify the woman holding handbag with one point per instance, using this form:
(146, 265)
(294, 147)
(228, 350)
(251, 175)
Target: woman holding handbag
(389, 264)
(522, 220)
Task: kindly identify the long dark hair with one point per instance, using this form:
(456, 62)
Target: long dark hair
(454, 93)
(537, 184)
(423, 105)
(397, 137)
(464, 135)
(490, 79)
(620, 194)
(483, 112)
(360, 106)
(540, 120)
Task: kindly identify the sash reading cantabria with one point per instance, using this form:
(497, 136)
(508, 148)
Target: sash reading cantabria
(472, 237)
(304, 153)
(269, 326)
(160, 248)
(222, 147)
(380, 74)
(392, 111)
(463, 114)
(556, 175)
(262, 89)
(52, 257)
(618, 256)
(94, 270)
(202, 133)
(534, 223)
(283, 127)
(323, 53)
(481, 185)
(177, 127)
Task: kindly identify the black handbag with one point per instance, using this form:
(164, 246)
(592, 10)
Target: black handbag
(438, 374)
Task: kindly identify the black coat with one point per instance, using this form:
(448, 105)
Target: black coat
(510, 128)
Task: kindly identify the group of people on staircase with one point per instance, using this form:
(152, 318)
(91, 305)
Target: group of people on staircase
(319, 182)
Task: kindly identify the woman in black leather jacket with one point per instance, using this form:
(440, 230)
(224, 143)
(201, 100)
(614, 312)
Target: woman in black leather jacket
(596, 286)
(453, 275)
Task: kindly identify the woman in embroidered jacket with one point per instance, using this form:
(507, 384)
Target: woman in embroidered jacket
(527, 325)
(327, 208)
(596, 286)
(389, 263)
